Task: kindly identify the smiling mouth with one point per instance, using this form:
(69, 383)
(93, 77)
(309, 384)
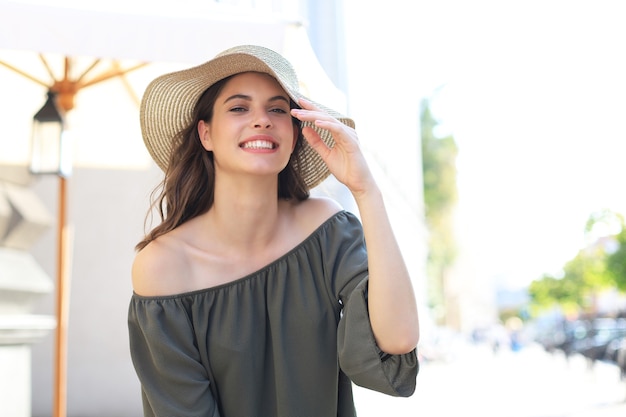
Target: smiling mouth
(258, 144)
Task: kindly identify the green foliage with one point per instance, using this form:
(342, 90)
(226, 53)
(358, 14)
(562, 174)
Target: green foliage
(512, 314)
(440, 197)
(439, 169)
(549, 291)
(600, 265)
(587, 270)
(616, 261)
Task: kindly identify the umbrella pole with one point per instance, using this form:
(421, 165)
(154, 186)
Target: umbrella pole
(62, 307)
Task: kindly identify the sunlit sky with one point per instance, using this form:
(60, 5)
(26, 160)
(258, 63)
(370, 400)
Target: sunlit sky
(534, 93)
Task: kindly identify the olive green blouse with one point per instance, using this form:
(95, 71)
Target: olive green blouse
(287, 340)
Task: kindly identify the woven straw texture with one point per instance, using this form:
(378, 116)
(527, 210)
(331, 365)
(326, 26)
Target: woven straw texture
(168, 102)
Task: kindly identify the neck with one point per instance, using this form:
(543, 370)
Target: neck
(245, 214)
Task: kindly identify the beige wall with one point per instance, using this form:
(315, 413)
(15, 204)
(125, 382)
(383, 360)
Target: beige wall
(107, 209)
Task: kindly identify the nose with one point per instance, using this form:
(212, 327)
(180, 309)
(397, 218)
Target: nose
(262, 120)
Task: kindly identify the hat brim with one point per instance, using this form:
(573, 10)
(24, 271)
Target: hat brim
(168, 102)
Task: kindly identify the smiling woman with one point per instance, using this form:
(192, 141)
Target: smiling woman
(265, 109)
(249, 279)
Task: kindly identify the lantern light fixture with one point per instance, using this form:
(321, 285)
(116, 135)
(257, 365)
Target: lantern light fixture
(50, 153)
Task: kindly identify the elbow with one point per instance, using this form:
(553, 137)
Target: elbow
(409, 344)
(403, 344)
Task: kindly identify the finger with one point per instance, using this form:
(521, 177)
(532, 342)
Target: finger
(306, 104)
(311, 116)
(312, 112)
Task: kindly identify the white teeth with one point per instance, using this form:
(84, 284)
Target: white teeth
(258, 144)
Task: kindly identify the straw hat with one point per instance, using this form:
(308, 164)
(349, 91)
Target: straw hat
(168, 102)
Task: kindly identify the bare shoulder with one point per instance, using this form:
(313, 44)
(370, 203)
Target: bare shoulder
(314, 211)
(157, 268)
(324, 204)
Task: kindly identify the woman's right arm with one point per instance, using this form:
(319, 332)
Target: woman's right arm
(173, 379)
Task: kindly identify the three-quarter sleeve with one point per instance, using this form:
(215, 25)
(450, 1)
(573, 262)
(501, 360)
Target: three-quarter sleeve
(173, 379)
(359, 356)
(288, 340)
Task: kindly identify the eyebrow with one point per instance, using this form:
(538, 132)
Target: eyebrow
(249, 98)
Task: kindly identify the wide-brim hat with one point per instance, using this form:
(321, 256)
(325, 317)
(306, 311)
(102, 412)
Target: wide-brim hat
(168, 103)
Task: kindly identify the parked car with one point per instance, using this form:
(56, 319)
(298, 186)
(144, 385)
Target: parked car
(599, 336)
(616, 353)
(621, 358)
(575, 334)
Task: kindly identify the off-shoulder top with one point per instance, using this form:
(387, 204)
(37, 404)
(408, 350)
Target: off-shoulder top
(287, 340)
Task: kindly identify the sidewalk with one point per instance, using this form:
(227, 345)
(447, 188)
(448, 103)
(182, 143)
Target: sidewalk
(528, 383)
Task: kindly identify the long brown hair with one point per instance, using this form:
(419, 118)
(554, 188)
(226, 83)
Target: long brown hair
(187, 189)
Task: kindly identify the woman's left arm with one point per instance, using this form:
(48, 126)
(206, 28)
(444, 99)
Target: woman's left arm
(391, 298)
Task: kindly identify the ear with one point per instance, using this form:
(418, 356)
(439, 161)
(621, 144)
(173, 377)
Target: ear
(204, 132)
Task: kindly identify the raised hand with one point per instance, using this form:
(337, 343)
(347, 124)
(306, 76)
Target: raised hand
(344, 160)
(391, 294)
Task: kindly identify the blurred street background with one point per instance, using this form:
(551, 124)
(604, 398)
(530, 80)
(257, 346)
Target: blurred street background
(473, 379)
(495, 130)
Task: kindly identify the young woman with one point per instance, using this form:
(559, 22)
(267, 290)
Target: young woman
(250, 298)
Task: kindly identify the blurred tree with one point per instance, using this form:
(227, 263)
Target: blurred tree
(550, 291)
(605, 232)
(586, 273)
(602, 223)
(440, 197)
(616, 258)
(600, 265)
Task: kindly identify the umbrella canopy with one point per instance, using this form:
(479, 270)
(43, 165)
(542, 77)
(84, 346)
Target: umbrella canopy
(183, 31)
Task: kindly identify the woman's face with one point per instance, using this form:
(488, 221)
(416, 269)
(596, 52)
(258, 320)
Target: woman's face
(251, 131)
